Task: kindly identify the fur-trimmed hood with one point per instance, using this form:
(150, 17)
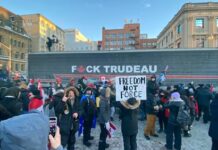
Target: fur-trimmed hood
(71, 88)
(129, 106)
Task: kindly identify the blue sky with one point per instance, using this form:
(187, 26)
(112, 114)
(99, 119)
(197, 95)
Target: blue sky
(89, 16)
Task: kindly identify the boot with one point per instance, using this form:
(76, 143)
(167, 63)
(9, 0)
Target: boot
(101, 146)
(91, 138)
(87, 143)
(106, 145)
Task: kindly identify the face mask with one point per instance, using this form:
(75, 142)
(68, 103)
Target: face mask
(152, 79)
(85, 81)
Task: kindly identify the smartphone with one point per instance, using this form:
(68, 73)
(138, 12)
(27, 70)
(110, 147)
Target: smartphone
(53, 125)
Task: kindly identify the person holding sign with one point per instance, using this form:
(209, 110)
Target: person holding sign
(129, 122)
(151, 107)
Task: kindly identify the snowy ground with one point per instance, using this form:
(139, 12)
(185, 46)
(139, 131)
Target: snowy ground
(199, 140)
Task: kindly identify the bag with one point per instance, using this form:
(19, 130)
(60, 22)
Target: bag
(183, 117)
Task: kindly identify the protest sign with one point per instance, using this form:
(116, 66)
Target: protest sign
(130, 86)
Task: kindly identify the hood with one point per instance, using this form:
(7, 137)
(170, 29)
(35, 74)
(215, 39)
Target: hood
(76, 92)
(130, 106)
(59, 91)
(177, 103)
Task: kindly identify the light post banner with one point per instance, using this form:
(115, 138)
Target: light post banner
(130, 86)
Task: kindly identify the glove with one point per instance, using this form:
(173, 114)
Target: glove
(107, 125)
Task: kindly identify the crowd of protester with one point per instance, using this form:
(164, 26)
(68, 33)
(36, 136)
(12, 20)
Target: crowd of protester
(25, 109)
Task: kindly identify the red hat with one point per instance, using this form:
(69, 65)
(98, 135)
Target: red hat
(85, 78)
(59, 80)
(36, 104)
(91, 85)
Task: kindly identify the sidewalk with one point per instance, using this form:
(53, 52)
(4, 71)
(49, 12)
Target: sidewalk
(199, 140)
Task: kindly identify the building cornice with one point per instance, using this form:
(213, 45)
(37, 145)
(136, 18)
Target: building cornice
(23, 35)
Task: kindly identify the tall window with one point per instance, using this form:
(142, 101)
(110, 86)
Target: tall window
(16, 67)
(178, 45)
(171, 34)
(217, 22)
(22, 56)
(179, 29)
(22, 67)
(199, 23)
(200, 42)
(1, 51)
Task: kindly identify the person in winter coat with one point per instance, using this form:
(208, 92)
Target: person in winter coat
(163, 114)
(152, 86)
(25, 132)
(24, 96)
(191, 104)
(104, 117)
(87, 112)
(174, 129)
(213, 130)
(112, 102)
(129, 122)
(152, 109)
(10, 105)
(203, 97)
(68, 110)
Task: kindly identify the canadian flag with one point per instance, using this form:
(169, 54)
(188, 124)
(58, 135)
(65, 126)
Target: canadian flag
(40, 88)
(111, 130)
(31, 82)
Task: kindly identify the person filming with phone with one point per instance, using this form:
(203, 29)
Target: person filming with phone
(68, 114)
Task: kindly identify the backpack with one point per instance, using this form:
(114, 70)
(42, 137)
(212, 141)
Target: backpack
(183, 117)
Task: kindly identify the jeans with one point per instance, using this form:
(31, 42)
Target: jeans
(103, 137)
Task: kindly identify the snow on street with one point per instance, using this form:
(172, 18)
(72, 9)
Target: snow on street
(199, 140)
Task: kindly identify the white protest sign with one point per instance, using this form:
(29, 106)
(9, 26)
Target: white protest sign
(131, 86)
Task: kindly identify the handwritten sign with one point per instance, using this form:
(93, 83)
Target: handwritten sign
(130, 86)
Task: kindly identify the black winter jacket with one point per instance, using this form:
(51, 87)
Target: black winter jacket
(150, 103)
(213, 130)
(203, 97)
(128, 116)
(66, 120)
(174, 109)
(11, 107)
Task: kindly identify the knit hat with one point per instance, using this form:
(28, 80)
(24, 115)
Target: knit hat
(175, 96)
(132, 101)
(36, 104)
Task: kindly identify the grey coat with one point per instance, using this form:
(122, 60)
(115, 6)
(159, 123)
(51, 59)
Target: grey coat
(25, 132)
(104, 113)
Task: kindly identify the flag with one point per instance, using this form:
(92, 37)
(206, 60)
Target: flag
(111, 130)
(81, 123)
(40, 88)
(162, 76)
(81, 119)
(31, 82)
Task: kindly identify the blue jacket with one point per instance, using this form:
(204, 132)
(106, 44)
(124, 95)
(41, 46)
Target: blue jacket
(25, 132)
